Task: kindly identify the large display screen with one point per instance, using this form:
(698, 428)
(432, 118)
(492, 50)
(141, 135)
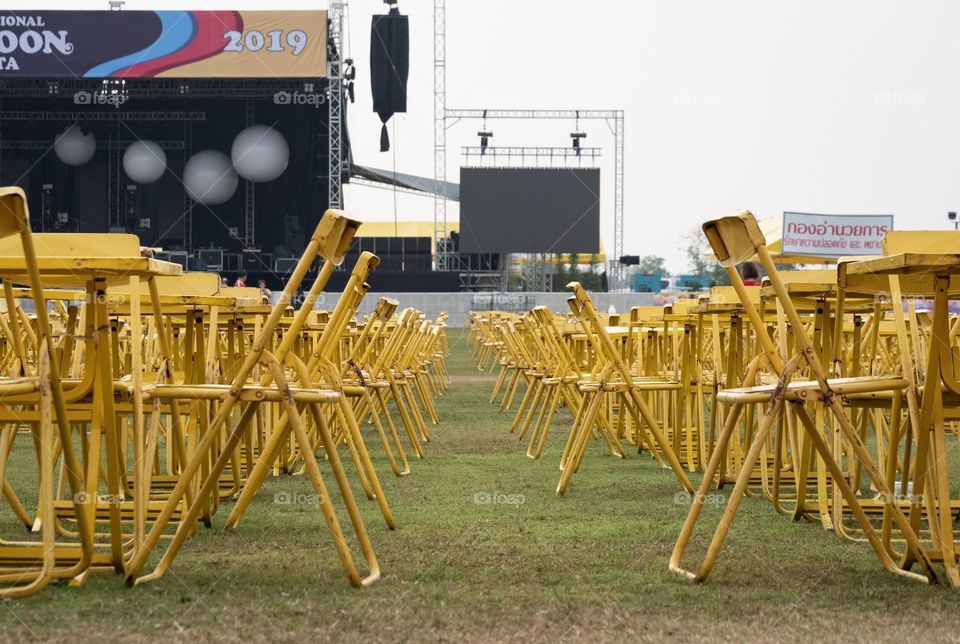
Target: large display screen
(529, 210)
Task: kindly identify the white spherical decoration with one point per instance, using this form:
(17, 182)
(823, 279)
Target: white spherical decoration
(210, 178)
(73, 147)
(144, 161)
(260, 153)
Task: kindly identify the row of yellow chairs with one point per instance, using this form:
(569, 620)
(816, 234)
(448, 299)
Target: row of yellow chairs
(829, 393)
(151, 397)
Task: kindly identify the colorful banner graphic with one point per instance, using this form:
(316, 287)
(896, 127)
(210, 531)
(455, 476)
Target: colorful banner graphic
(173, 44)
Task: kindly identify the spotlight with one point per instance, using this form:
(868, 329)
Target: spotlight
(576, 136)
(952, 216)
(485, 137)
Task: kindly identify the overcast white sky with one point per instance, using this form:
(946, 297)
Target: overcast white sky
(815, 106)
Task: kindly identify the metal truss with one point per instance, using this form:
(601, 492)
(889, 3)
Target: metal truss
(446, 256)
(38, 144)
(111, 115)
(335, 105)
(249, 195)
(134, 88)
(614, 119)
(526, 156)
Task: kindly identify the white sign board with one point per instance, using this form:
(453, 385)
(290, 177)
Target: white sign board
(833, 235)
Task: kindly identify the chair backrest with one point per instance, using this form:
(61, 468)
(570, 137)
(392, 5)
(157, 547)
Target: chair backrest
(199, 284)
(385, 307)
(920, 241)
(734, 239)
(335, 233)
(641, 314)
(13, 211)
(242, 295)
(816, 276)
(73, 244)
(346, 306)
(683, 307)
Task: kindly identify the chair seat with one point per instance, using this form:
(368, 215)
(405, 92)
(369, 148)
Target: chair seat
(810, 389)
(18, 386)
(639, 383)
(249, 393)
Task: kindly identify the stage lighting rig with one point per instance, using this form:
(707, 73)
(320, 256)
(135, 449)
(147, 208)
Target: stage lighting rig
(485, 136)
(116, 89)
(576, 136)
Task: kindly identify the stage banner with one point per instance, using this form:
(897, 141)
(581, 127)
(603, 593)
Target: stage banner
(833, 235)
(170, 44)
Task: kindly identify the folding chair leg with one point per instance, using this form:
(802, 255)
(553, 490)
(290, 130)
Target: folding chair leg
(521, 410)
(541, 429)
(375, 419)
(405, 416)
(580, 436)
(531, 411)
(511, 393)
(39, 578)
(382, 401)
(499, 383)
(345, 411)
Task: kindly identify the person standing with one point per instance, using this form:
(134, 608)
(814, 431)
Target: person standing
(241, 280)
(265, 293)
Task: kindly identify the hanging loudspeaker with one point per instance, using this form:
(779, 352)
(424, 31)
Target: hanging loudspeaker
(389, 66)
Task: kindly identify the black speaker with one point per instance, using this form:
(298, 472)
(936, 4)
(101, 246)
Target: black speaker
(389, 67)
(417, 263)
(292, 237)
(390, 263)
(90, 188)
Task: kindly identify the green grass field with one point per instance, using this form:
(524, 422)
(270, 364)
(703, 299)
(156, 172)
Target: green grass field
(592, 564)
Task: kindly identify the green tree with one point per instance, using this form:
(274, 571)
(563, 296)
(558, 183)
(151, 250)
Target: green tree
(591, 280)
(573, 269)
(653, 264)
(700, 258)
(560, 275)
